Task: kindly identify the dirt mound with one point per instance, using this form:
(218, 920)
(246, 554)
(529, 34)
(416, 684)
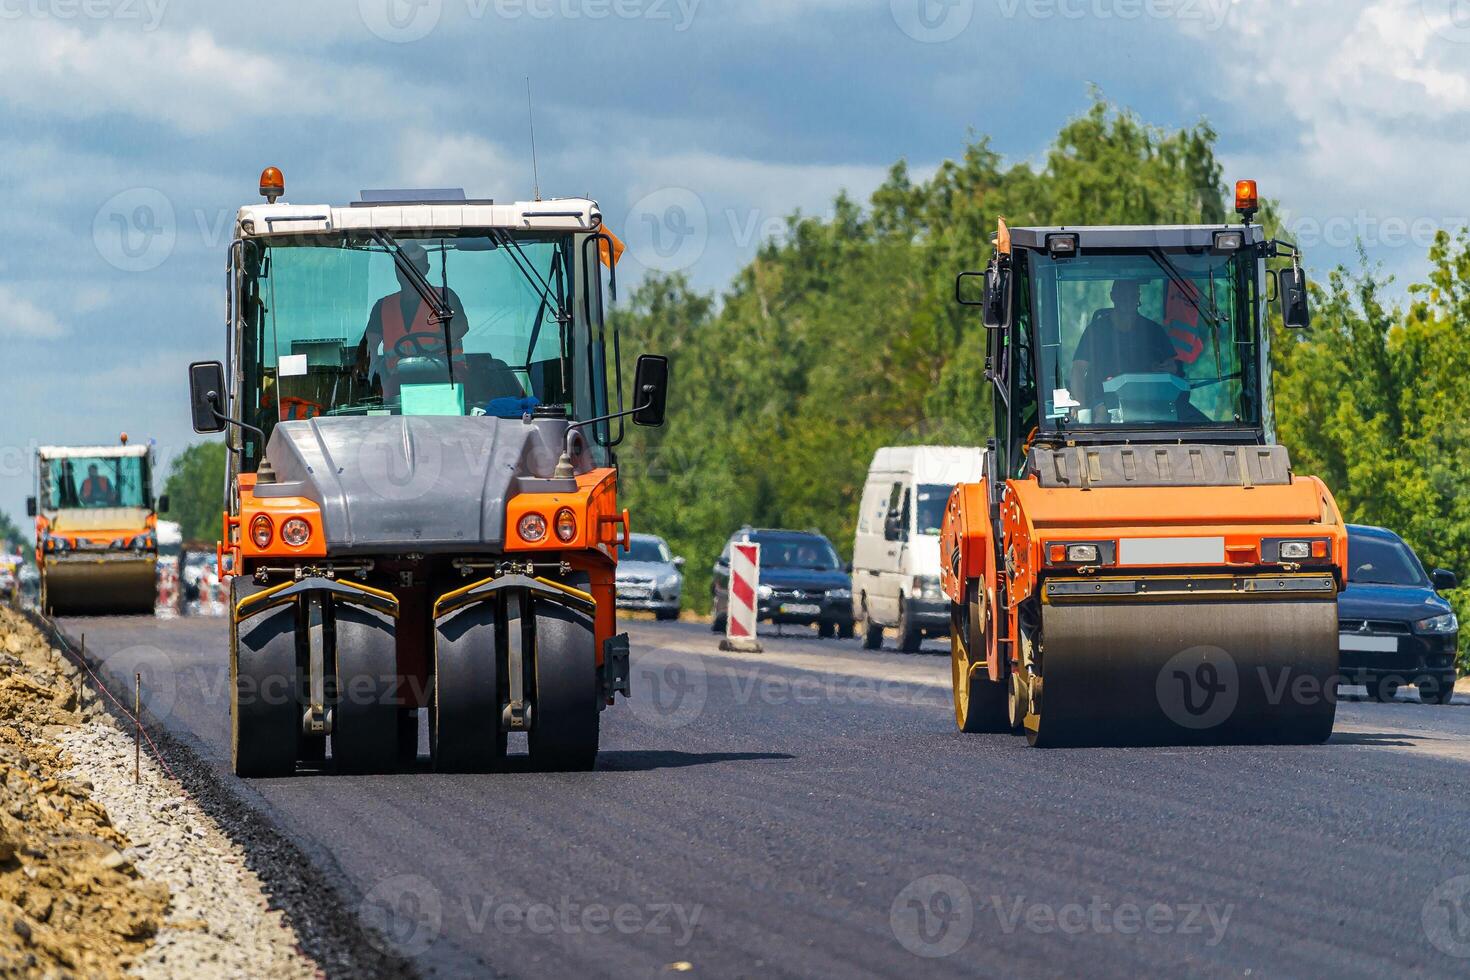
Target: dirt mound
(70, 902)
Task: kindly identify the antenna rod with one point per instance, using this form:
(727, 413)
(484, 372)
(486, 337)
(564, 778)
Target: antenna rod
(531, 118)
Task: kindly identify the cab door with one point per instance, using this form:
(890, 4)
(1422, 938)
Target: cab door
(883, 603)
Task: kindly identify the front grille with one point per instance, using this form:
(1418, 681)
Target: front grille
(1373, 626)
(799, 595)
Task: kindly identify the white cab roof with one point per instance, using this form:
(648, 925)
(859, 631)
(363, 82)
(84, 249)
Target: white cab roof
(932, 464)
(564, 214)
(103, 452)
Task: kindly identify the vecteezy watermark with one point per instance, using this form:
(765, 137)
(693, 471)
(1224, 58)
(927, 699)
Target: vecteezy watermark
(1450, 19)
(1446, 917)
(566, 917)
(405, 21)
(669, 688)
(932, 21)
(933, 916)
(1372, 231)
(1211, 14)
(1099, 916)
(668, 230)
(404, 913)
(146, 13)
(1198, 688)
(135, 230)
(407, 914)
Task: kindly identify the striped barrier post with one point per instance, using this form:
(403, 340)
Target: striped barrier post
(742, 614)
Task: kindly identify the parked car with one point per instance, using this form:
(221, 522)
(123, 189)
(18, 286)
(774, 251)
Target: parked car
(649, 577)
(1394, 627)
(895, 552)
(802, 582)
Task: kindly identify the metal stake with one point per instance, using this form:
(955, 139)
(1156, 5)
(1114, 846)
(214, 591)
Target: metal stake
(137, 727)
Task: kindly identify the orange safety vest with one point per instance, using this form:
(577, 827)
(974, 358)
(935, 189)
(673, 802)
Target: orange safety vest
(394, 329)
(102, 488)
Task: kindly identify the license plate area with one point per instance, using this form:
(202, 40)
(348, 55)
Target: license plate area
(1171, 551)
(1367, 644)
(800, 609)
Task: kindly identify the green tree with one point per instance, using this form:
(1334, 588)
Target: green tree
(843, 336)
(12, 538)
(195, 490)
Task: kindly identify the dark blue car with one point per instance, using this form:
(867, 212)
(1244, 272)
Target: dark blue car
(802, 582)
(1394, 627)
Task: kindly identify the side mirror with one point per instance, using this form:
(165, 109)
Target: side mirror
(1292, 285)
(207, 395)
(965, 287)
(650, 389)
(997, 298)
(30, 506)
(678, 561)
(1444, 580)
(163, 503)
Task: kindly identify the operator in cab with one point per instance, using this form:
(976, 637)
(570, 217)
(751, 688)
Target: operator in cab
(96, 490)
(402, 326)
(1120, 340)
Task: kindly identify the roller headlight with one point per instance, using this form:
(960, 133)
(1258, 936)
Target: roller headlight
(1438, 624)
(261, 531)
(566, 525)
(531, 528)
(1296, 550)
(295, 532)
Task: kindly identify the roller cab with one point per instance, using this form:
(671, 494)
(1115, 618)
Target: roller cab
(96, 528)
(1142, 564)
(422, 402)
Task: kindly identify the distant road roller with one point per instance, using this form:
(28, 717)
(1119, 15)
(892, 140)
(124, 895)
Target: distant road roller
(421, 508)
(1140, 565)
(96, 528)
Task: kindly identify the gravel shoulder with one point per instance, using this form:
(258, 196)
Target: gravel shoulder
(102, 875)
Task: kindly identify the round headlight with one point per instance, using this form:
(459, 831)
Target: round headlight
(295, 532)
(566, 524)
(531, 528)
(261, 530)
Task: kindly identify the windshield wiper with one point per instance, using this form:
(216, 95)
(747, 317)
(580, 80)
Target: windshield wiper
(1186, 288)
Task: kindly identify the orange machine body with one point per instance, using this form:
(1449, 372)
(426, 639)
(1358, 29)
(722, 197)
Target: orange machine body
(1035, 519)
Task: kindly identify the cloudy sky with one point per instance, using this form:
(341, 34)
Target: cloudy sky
(131, 130)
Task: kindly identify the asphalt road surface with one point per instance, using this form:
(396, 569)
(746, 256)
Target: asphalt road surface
(812, 811)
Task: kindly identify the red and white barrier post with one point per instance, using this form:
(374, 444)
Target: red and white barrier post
(741, 614)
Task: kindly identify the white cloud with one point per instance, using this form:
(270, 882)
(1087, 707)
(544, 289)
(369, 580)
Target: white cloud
(21, 317)
(1378, 97)
(186, 80)
(451, 159)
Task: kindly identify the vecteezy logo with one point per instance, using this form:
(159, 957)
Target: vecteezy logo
(1198, 688)
(1446, 917)
(403, 913)
(932, 21)
(1450, 19)
(400, 21)
(933, 916)
(669, 689)
(669, 229)
(397, 466)
(135, 230)
(143, 672)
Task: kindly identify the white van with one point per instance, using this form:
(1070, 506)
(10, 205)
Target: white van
(895, 555)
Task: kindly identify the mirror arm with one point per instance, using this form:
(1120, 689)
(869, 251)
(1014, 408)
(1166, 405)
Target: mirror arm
(219, 416)
(564, 469)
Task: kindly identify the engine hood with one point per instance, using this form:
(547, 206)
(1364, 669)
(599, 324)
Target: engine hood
(804, 578)
(1364, 600)
(431, 484)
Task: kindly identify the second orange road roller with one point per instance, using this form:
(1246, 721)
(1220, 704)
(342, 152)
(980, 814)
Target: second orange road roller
(1140, 562)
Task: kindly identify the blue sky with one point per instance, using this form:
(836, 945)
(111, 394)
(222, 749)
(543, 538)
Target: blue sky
(131, 130)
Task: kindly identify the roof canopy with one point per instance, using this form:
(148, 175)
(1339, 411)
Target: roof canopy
(94, 452)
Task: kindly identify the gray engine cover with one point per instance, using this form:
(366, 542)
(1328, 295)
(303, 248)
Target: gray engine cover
(431, 484)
